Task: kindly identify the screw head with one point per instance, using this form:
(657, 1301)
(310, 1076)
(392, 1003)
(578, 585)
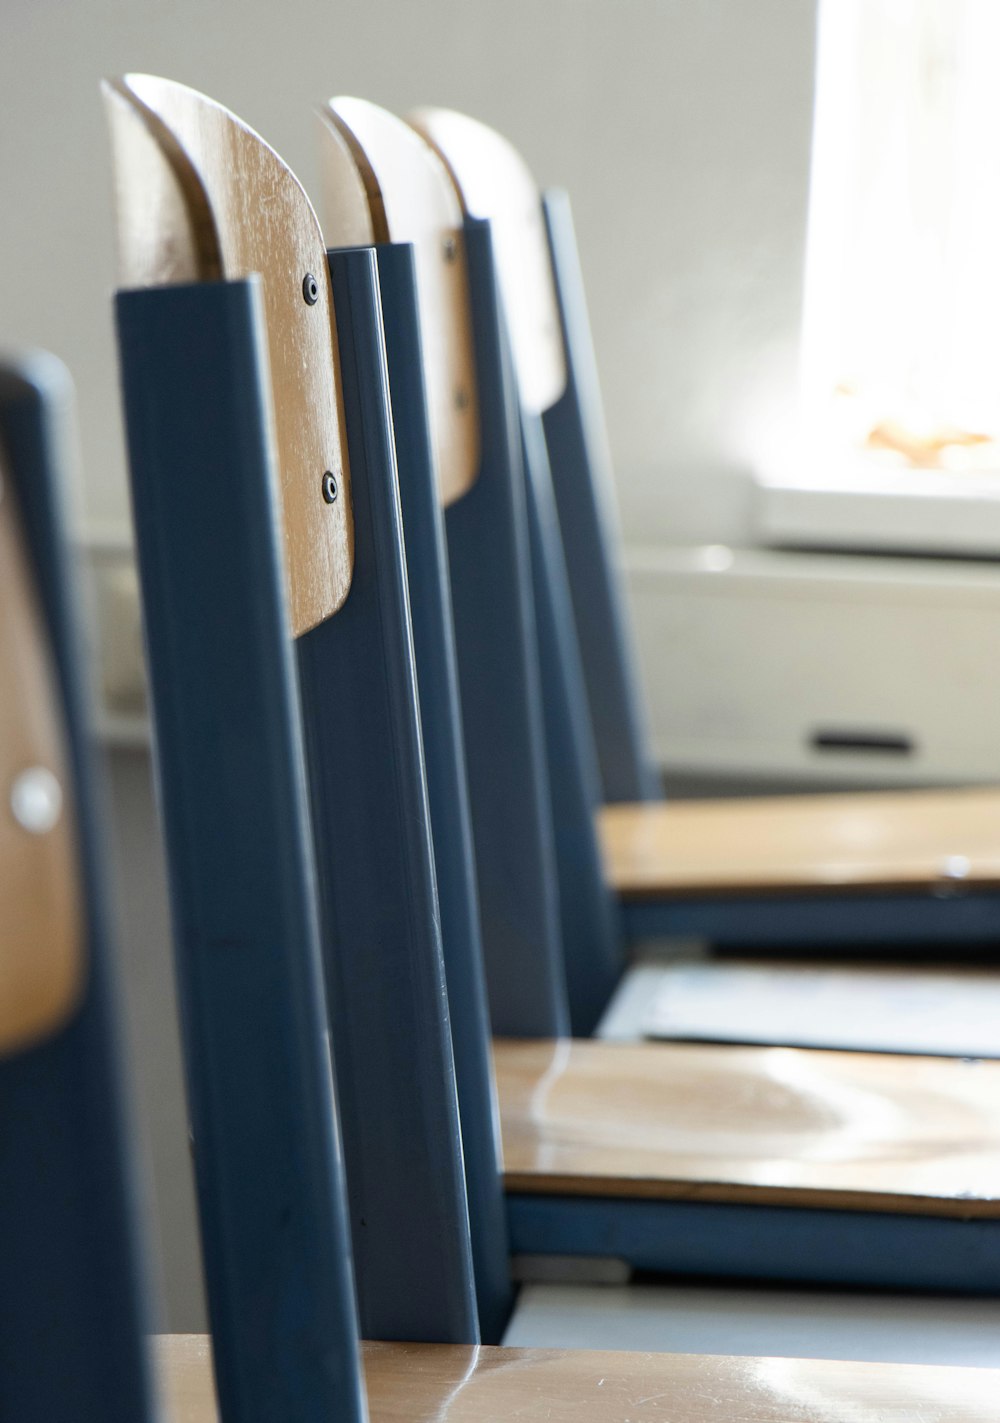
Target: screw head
(36, 800)
(330, 487)
(310, 289)
(450, 247)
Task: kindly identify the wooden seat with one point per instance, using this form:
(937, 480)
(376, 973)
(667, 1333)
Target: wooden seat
(421, 1383)
(914, 840)
(775, 1126)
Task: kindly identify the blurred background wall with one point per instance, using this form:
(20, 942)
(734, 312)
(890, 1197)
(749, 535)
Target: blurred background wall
(681, 129)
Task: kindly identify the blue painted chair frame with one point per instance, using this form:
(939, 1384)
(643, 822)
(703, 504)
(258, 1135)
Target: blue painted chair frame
(275, 1235)
(381, 925)
(72, 1297)
(444, 755)
(375, 875)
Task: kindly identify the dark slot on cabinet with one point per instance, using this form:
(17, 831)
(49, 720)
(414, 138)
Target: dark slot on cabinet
(878, 743)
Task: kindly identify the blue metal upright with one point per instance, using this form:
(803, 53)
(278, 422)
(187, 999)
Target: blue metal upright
(444, 756)
(591, 927)
(231, 783)
(582, 478)
(502, 714)
(72, 1305)
(387, 995)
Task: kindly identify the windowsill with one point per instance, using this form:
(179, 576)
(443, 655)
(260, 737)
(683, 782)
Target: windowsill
(872, 509)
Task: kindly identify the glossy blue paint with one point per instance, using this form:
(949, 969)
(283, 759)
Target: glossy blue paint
(817, 921)
(583, 483)
(386, 988)
(231, 782)
(591, 929)
(502, 716)
(444, 758)
(72, 1301)
(765, 1242)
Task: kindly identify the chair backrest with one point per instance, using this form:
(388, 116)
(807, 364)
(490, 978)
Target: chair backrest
(72, 1305)
(538, 271)
(491, 179)
(239, 723)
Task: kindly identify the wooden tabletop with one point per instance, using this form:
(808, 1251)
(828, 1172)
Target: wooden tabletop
(765, 1126)
(431, 1383)
(804, 844)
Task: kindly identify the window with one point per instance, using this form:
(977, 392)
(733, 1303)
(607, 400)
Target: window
(901, 339)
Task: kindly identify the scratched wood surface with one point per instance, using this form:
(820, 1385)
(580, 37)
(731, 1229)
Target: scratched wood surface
(493, 181)
(431, 1383)
(201, 196)
(42, 955)
(806, 844)
(412, 199)
(767, 1126)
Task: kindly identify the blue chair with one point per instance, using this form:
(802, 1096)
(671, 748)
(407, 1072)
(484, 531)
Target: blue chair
(233, 713)
(72, 1293)
(777, 872)
(616, 1150)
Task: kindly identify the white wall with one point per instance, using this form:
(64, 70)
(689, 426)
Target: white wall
(681, 127)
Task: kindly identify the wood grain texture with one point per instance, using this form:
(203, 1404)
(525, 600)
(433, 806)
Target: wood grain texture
(435, 1383)
(42, 956)
(412, 199)
(933, 840)
(766, 1126)
(494, 182)
(200, 195)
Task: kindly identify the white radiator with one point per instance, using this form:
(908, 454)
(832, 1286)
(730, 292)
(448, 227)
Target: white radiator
(816, 666)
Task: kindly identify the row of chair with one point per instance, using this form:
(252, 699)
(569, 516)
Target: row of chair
(378, 794)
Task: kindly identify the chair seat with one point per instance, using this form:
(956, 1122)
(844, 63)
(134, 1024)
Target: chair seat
(762, 1126)
(685, 1317)
(422, 1383)
(876, 841)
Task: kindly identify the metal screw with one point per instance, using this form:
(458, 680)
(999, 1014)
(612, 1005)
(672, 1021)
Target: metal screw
(310, 289)
(461, 399)
(329, 488)
(36, 800)
(450, 249)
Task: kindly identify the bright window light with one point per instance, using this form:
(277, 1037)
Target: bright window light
(901, 339)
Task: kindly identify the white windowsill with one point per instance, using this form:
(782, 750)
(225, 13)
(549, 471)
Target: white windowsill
(868, 509)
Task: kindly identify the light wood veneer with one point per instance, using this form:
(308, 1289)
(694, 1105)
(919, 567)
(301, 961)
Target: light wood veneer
(221, 203)
(431, 1383)
(911, 840)
(765, 1126)
(42, 954)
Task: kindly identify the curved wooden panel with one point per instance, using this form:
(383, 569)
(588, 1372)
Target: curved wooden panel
(429, 1383)
(42, 968)
(220, 202)
(494, 182)
(931, 840)
(764, 1126)
(412, 199)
